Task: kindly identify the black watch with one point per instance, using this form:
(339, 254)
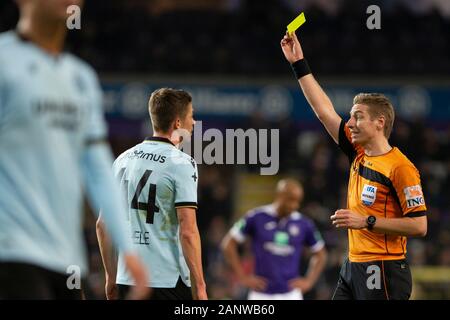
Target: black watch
(371, 220)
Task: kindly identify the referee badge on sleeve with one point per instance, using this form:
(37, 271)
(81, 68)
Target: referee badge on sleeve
(368, 195)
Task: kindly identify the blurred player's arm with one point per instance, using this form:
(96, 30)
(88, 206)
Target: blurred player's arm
(315, 267)
(317, 98)
(109, 258)
(104, 194)
(102, 188)
(230, 251)
(192, 251)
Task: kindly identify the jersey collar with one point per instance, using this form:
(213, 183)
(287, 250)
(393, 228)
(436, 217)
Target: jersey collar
(159, 139)
(21, 37)
(270, 210)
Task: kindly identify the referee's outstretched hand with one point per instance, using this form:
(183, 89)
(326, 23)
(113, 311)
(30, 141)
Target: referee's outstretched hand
(291, 47)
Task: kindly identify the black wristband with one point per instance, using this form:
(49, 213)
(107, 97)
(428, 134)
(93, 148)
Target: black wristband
(300, 68)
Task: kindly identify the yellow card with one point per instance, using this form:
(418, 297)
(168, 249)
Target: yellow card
(296, 23)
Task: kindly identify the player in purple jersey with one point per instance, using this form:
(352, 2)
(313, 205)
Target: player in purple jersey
(278, 234)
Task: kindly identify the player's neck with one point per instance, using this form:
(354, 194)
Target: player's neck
(49, 36)
(167, 136)
(377, 147)
(280, 215)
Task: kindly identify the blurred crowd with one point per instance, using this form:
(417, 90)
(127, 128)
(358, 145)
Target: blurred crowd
(242, 36)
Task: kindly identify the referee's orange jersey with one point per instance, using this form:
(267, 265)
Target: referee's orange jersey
(385, 186)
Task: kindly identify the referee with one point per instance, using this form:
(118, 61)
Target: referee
(385, 202)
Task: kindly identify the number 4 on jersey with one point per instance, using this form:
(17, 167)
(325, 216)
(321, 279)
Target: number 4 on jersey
(148, 206)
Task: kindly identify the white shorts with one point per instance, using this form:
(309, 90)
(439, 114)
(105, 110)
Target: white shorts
(295, 294)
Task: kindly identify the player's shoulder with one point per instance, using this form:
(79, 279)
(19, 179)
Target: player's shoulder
(8, 44)
(7, 39)
(82, 66)
(261, 211)
(301, 218)
(124, 155)
(179, 157)
(400, 160)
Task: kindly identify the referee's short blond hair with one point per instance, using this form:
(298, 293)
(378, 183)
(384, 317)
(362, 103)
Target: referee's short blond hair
(379, 105)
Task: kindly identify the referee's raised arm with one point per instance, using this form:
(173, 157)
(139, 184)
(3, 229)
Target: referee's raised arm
(317, 98)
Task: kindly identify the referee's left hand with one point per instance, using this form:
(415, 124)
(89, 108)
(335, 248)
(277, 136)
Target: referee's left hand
(348, 219)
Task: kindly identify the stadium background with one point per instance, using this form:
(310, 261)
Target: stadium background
(227, 53)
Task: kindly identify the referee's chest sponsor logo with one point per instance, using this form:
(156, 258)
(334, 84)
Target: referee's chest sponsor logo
(414, 196)
(368, 195)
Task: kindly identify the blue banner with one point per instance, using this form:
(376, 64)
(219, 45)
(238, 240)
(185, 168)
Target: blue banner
(127, 100)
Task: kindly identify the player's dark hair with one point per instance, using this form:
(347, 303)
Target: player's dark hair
(165, 105)
(379, 105)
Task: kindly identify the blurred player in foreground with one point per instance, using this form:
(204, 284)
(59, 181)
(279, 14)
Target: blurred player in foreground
(52, 142)
(160, 183)
(278, 233)
(385, 203)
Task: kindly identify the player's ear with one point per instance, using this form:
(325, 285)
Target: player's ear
(177, 123)
(381, 122)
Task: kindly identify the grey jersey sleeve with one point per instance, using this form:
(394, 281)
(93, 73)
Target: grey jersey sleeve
(186, 181)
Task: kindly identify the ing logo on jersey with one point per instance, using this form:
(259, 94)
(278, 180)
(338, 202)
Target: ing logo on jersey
(414, 196)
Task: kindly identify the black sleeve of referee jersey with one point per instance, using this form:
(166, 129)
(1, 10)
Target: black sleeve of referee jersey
(416, 214)
(345, 144)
